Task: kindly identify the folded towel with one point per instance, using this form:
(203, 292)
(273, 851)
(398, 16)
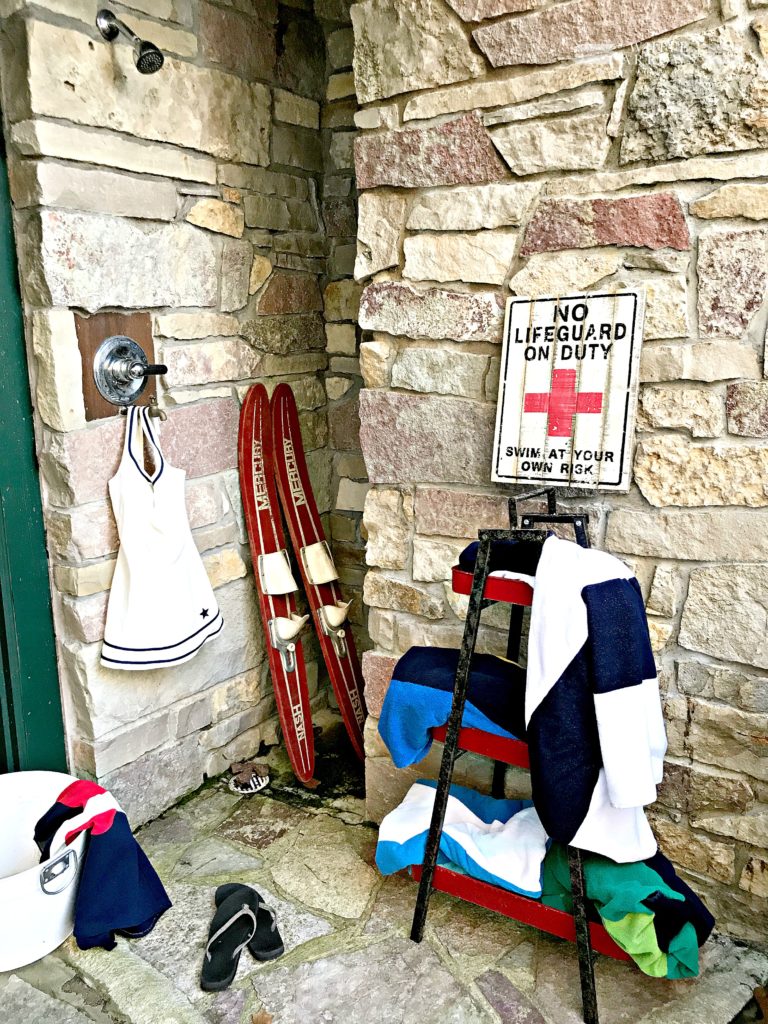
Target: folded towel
(119, 891)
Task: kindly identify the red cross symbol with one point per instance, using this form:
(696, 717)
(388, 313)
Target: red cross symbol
(563, 402)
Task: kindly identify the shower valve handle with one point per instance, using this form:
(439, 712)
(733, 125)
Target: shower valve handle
(138, 370)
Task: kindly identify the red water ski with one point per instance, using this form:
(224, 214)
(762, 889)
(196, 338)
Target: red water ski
(274, 580)
(316, 564)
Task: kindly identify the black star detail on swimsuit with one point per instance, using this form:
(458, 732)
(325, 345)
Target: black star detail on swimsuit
(204, 613)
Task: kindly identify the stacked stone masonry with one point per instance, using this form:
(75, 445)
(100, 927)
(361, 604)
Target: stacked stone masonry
(511, 148)
(218, 197)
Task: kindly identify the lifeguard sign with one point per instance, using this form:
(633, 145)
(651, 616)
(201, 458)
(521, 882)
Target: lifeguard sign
(568, 390)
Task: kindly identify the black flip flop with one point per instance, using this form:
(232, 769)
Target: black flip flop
(267, 943)
(232, 928)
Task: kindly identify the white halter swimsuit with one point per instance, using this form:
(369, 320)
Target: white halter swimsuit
(161, 607)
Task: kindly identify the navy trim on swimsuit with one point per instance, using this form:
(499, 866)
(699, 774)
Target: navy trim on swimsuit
(148, 425)
(150, 479)
(166, 661)
(167, 647)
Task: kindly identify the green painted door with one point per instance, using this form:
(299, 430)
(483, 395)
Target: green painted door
(31, 729)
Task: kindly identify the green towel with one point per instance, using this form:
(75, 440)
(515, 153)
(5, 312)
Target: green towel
(618, 891)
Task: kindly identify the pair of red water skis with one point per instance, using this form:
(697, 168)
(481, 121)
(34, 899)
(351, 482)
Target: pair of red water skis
(272, 462)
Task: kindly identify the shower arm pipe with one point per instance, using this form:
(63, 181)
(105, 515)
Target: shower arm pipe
(111, 26)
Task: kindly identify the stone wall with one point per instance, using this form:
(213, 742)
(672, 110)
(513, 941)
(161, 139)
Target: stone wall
(195, 195)
(516, 146)
(342, 298)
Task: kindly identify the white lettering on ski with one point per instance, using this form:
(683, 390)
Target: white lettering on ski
(294, 477)
(260, 492)
(298, 722)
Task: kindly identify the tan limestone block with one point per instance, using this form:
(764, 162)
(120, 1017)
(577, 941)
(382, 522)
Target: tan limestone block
(458, 513)
(697, 410)
(84, 618)
(496, 617)
(388, 529)
(82, 580)
(698, 93)
(70, 142)
(741, 689)
(336, 387)
(560, 273)
(703, 361)
(58, 369)
(381, 219)
(377, 117)
(39, 183)
(341, 339)
(350, 496)
(666, 307)
(376, 359)
(396, 308)
(702, 168)
(747, 828)
(471, 207)
(660, 634)
(199, 108)
(434, 558)
(294, 109)
(662, 599)
(724, 615)
(201, 324)
(558, 143)
(737, 200)
(383, 591)
(408, 45)
(207, 362)
(754, 877)
(341, 151)
(236, 263)
(482, 258)
(224, 566)
(670, 472)
(440, 371)
(340, 85)
(695, 852)
(181, 396)
(572, 101)
(342, 300)
(218, 216)
(513, 87)
(344, 364)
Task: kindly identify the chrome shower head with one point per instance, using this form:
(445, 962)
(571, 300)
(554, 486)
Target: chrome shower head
(146, 56)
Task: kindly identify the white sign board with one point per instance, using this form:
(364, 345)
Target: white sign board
(568, 390)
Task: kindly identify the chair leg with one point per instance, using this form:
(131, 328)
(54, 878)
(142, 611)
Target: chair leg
(583, 945)
(499, 776)
(451, 745)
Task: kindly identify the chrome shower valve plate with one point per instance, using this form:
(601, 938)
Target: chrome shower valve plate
(119, 368)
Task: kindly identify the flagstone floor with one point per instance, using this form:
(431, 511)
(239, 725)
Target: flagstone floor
(348, 956)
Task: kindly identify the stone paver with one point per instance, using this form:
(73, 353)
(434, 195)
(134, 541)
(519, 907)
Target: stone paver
(394, 980)
(23, 1002)
(510, 1004)
(213, 858)
(175, 947)
(348, 956)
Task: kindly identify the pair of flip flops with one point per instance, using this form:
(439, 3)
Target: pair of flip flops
(248, 777)
(241, 920)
